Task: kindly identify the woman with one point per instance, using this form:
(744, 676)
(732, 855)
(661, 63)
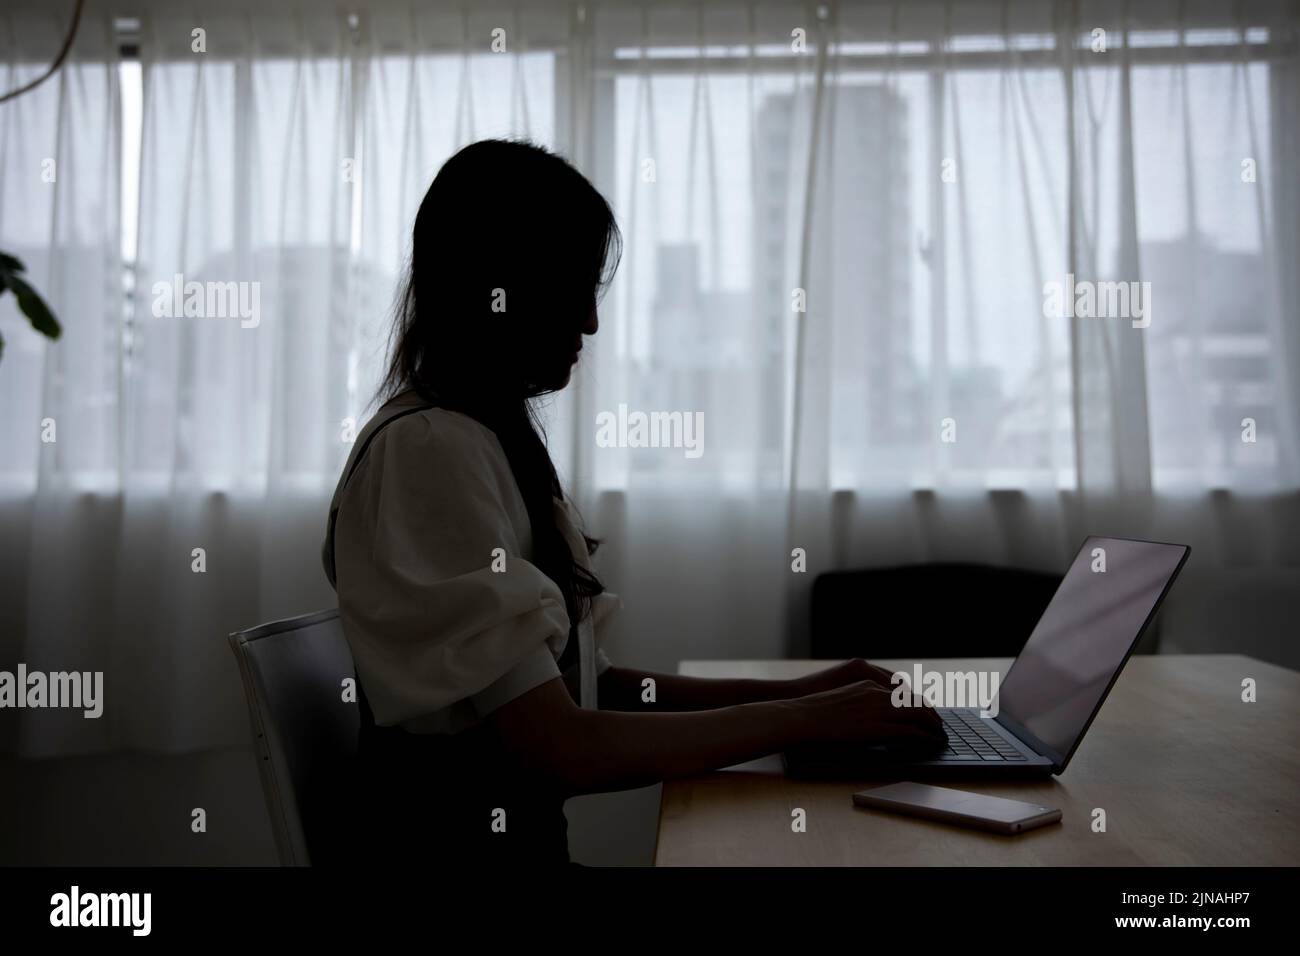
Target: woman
(464, 577)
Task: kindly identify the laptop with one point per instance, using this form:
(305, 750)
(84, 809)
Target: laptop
(1048, 699)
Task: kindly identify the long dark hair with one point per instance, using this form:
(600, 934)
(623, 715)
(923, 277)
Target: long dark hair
(511, 249)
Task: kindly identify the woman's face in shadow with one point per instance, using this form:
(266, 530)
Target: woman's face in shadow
(511, 247)
(561, 352)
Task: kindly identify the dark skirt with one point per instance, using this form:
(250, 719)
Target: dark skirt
(453, 798)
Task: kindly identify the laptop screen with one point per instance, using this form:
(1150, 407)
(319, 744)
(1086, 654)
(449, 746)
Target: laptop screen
(1084, 636)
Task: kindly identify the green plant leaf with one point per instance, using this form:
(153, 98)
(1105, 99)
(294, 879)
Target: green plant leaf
(9, 264)
(34, 307)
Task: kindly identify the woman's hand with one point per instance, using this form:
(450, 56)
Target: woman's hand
(848, 672)
(864, 712)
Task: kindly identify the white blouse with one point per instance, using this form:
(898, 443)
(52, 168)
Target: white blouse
(444, 627)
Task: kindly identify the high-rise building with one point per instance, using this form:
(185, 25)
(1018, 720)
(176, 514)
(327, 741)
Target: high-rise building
(700, 360)
(1208, 356)
(860, 268)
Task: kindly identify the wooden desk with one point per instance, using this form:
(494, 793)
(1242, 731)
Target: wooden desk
(1186, 772)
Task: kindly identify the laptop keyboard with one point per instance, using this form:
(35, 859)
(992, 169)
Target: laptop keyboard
(971, 738)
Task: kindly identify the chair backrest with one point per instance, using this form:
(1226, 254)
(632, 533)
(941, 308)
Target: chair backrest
(928, 611)
(304, 732)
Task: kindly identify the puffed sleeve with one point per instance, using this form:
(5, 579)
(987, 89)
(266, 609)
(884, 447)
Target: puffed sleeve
(437, 603)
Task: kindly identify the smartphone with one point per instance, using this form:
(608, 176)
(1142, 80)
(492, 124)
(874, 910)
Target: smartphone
(995, 814)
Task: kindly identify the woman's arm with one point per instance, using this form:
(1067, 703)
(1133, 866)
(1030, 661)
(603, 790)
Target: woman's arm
(591, 751)
(623, 688)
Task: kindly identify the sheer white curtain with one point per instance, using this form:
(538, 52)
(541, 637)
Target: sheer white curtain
(924, 406)
(59, 206)
(839, 222)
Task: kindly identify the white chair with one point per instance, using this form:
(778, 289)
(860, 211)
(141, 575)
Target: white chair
(304, 733)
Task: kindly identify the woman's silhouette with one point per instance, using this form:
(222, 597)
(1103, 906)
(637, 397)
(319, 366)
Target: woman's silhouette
(463, 574)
